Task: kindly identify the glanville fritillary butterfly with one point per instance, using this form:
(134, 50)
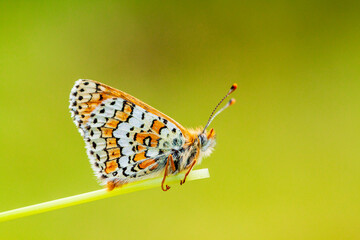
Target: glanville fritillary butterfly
(128, 140)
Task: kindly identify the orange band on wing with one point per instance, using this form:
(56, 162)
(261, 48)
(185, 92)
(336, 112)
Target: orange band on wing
(146, 163)
(111, 143)
(154, 166)
(140, 148)
(128, 109)
(147, 139)
(112, 123)
(121, 116)
(111, 166)
(157, 125)
(106, 132)
(114, 153)
(139, 156)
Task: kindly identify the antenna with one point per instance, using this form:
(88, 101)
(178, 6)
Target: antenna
(231, 102)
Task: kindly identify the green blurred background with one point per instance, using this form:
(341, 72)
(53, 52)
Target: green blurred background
(286, 165)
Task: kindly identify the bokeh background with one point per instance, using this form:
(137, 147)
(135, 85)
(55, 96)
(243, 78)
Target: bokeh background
(287, 161)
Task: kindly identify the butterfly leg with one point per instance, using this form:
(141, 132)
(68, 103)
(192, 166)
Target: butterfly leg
(187, 173)
(171, 161)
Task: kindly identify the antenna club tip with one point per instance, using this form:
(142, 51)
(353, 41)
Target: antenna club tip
(233, 87)
(232, 101)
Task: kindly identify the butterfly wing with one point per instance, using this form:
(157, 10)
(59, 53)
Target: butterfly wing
(126, 139)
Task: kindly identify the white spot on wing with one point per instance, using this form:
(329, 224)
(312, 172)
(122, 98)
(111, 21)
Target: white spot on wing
(127, 150)
(123, 142)
(137, 112)
(135, 122)
(152, 152)
(123, 161)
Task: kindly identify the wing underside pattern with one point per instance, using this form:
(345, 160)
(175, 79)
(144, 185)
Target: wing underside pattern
(124, 141)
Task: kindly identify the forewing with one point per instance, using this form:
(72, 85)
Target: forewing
(125, 138)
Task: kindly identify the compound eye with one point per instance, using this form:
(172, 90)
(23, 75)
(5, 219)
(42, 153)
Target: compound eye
(202, 139)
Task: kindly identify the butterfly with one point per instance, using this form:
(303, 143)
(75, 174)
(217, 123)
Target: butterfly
(128, 140)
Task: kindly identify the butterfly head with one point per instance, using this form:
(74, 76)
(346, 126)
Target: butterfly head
(207, 142)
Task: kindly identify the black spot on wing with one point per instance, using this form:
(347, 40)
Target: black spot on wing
(103, 176)
(147, 141)
(152, 123)
(128, 119)
(162, 128)
(124, 172)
